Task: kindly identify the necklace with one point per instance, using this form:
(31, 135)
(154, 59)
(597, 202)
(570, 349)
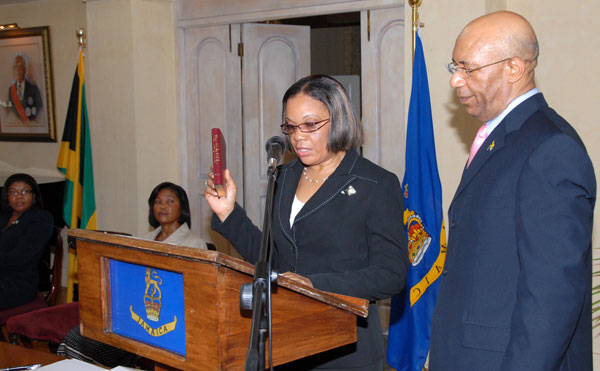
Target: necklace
(312, 180)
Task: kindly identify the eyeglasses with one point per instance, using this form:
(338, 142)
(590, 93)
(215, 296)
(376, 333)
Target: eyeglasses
(22, 192)
(305, 127)
(465, 72)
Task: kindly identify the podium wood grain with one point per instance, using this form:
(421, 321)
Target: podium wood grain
(305, 321)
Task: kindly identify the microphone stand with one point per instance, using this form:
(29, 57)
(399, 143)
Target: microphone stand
(261, 288)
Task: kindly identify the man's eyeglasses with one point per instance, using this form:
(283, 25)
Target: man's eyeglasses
(305, 127)
(22, 192)
(465, 72)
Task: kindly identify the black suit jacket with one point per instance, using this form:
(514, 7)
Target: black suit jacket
(21, 246)
(348, 239)
(516, 290)
(31, 102)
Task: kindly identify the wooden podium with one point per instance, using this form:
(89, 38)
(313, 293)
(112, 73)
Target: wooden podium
(305, 321)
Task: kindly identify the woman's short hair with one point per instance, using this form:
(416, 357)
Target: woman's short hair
(26, 178)
(184, 204)
(346, 130)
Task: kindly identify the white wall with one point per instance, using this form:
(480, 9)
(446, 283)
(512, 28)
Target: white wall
(132, 107)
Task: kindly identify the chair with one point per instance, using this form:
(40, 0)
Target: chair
(47, 324)
(56, 267)
(44, 299)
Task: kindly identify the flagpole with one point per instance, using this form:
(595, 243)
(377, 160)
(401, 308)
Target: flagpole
(79, 200)
(415, 4)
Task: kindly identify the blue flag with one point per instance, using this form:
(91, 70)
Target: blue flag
(411, 311)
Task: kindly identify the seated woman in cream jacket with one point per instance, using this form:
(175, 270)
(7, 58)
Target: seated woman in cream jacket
(170, 214)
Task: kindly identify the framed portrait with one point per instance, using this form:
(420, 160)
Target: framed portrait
(26, 86)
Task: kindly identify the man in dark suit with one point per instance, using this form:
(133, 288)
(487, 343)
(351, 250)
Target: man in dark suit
(23, 95)
(516, 289)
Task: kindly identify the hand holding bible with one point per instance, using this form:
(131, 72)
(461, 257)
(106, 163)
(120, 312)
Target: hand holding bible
(221, 206)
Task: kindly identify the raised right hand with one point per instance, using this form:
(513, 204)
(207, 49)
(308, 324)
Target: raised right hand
(221, 206)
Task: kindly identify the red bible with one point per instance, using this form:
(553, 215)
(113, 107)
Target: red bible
(219, 160)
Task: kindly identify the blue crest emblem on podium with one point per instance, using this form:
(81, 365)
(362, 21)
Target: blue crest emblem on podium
(148, 305)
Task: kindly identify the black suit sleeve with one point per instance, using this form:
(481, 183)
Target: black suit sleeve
(241, 232)
(555, 196)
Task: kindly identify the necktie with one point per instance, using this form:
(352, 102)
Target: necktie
(20, 90)
(479, 139)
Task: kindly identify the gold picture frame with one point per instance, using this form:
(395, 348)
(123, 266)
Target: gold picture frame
(26, 86)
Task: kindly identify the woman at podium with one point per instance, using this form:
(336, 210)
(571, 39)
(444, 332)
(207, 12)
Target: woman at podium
(25, 230)
(337, 217)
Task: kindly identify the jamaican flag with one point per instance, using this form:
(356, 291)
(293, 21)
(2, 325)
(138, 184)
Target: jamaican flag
(75, 159)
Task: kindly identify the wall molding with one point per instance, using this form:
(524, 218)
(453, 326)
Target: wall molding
(193, 13)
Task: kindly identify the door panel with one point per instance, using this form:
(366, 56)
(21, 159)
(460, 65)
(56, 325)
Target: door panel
(382, 68)
(211, 89)
(275, 56)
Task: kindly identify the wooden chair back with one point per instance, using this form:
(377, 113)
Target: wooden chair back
(57, 251)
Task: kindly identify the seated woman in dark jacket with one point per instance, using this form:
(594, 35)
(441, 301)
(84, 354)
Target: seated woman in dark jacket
(25, 228)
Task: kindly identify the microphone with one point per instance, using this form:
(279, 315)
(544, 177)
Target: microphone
(275, 148)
